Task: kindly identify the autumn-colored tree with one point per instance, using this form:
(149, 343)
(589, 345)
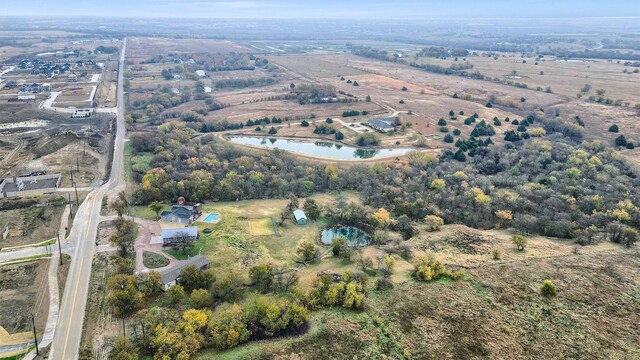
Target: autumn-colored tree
(311, 209)
(123, 349)
(176, 294)
(348, 293)
(229, 287)
(338, 245)
(201, 299)
(262, 276)
(428, 268)
(437, 185)
(548, 289)
(480, 197)
(192, 278)
(382, 218)
(353, 296)
(504, 215)
(182, 339)
(519, 241)
(307, 250)
(388, 263)
(228, 330)
(123, 293)
(629, 236)
(433, 222)
(151, 283)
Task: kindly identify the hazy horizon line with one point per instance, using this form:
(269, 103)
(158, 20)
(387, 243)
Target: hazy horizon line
(313, 18)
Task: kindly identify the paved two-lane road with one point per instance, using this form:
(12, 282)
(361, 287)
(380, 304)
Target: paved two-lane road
(66, 342)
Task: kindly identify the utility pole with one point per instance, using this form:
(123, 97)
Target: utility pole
(70, 206)
(77, 162)
(59, 248)
(35, 336)
(75, 185)
(124, 332)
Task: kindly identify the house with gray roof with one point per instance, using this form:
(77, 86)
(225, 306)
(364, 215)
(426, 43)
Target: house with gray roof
(182, 214)
(171, 276)
(384, 124)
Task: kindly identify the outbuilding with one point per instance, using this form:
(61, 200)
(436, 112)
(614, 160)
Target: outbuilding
(301, 217)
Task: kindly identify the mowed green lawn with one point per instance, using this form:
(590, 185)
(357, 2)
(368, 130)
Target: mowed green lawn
(232, 244)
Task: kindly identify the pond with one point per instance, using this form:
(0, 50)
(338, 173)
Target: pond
(354, 236)
(324, 149)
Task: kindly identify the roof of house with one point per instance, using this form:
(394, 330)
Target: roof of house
(299, 214)
(383, 123)
(171, 233)
(170, 274)
(181, 211)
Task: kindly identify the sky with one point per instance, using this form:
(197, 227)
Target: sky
(327, 9)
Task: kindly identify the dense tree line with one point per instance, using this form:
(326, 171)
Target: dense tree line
(453, 69)
(442, 52)
(244, 83)
(553, 185)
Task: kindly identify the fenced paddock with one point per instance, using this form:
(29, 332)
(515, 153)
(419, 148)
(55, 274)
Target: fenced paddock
(262, 226)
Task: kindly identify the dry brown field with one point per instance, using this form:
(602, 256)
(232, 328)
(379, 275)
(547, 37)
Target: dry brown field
(23, 288)
(564, 77)
(428, 96)
(148, 47)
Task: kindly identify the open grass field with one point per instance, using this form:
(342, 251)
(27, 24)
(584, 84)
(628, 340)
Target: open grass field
(33, 42)
(495, 312)
(244, 236)
(564, 77)
(284, 108)
(317, 67)
(29, 225)
(262, 226)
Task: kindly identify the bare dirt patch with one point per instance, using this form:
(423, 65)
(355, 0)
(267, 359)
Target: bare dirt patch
(23, 291)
